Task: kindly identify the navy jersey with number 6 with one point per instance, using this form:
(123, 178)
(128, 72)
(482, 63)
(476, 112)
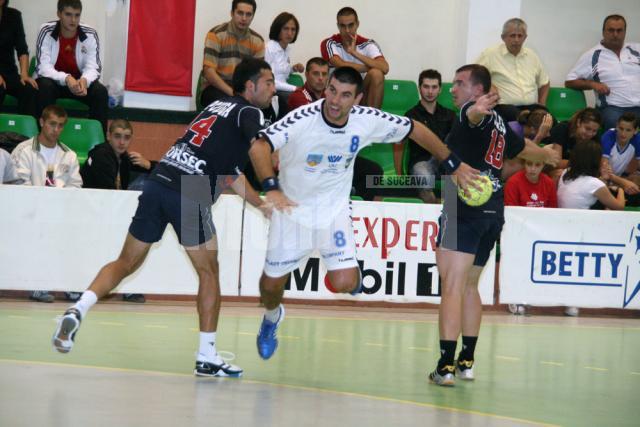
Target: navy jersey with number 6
(215, 144)
(483, 146)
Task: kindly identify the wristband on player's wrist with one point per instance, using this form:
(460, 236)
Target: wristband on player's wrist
(451, 163)
(270, 184)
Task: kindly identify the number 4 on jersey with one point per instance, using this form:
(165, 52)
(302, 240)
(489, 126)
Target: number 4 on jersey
(201, 130)
(495, 152)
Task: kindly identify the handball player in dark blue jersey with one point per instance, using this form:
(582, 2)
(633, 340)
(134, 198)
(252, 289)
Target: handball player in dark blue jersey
(481, 138)
(180, 191)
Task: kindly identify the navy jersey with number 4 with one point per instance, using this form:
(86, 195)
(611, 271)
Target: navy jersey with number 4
(484, 147)
(215, 144)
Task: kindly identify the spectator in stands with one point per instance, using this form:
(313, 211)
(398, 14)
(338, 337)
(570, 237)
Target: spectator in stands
(530, 187)
(516, 71)
(434, 116)
(12, 41)
(611, 69)
(224, 47)
(580, 188)
(582, 127)
(8, 174)
(347, 48)
(68, 62)
(531, 124)
(621, 153)
(283, 32)
(316, 76)
(44, 161)
(109, 167)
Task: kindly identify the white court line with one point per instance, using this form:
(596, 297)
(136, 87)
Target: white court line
(548, 362)
(594, 368)
(509, 358)
(156, 326)
(421, 348)
(111, 324)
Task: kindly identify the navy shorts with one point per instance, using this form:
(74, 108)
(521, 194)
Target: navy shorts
(470, 235)
(159, 205)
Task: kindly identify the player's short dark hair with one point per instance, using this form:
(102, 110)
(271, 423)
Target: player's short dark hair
(121, 124)
(430, 74)
(316, 60)
(73, 4)
(346, 11)
(585, 159)
(248, 69)
(252, 3)
(53, 110)
(479, 75)
(614, 17)
(348, 75)
(279, 22)
(629, 117)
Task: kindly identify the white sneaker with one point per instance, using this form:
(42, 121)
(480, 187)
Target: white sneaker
(572, 311)
(65, 334)
(447, 379)
(464, 370)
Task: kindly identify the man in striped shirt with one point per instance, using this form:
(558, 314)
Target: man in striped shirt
(348, 49)
(224, 47)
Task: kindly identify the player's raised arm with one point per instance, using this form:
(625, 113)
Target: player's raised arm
(260, 154)
(464, 173)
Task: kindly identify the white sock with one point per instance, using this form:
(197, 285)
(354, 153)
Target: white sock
(86, 301)
(272, 315)
(207, 349)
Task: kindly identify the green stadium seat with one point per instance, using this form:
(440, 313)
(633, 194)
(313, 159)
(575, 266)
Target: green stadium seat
(296, 80)
(399, 96)
(402, 199)
(81, 135)
(24, 125)
(445, 98)
(357, 198)
(563, 102)
(66, 103)
(382, 154)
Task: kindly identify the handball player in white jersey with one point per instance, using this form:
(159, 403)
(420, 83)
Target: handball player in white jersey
(317, 145)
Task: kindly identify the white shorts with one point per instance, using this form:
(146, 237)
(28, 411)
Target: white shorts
(291, 243)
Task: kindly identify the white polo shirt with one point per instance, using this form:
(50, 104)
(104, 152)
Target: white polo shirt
(622, 75)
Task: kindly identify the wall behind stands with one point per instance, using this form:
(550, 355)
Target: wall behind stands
(413, 34)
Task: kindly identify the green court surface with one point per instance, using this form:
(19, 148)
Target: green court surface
(529, 370)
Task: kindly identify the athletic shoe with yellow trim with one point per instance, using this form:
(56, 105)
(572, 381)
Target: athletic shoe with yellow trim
(464, 370)
(443, 377)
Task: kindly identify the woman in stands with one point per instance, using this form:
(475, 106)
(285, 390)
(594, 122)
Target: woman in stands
(580, 187)
(582, 127)
(284, 31)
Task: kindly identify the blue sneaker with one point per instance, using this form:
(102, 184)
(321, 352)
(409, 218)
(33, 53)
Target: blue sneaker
(267, 341)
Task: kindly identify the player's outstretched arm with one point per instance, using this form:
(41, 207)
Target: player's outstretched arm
(260, 154)
(244, 189)
(465, 174)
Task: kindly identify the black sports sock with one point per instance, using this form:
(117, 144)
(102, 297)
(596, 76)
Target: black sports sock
(447, 353)
(468, 348)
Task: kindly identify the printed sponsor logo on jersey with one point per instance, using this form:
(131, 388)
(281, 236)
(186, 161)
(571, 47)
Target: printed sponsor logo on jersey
(334, 158)
(348, 161)
(337, 131)
(182, 157)
(314, 159)
(390, 135)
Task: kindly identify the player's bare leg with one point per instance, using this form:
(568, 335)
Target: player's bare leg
(471, 319)
(345, 280)
(204, 259)
(454, 268)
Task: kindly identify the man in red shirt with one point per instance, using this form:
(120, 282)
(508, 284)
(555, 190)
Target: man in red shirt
(68, 62)
(531, 188)
(316, 75)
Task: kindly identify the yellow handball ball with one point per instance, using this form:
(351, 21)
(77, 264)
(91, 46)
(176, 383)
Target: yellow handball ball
(477, 197)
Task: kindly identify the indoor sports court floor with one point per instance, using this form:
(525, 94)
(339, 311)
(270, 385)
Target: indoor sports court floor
(132, 366)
